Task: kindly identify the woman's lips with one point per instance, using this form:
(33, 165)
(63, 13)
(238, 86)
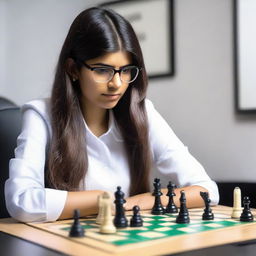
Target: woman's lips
(112, 96)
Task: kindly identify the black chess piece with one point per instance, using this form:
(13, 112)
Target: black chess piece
(183, 216)
(157, 209)
(136, 220)
(76, 228)
(120, 221)
(171, 207)
(207, 215)
(246, 215)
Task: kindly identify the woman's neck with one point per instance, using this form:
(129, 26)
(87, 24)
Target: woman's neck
(96, 119)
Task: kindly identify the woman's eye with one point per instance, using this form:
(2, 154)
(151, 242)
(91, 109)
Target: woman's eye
(126, 71)
(102, 71)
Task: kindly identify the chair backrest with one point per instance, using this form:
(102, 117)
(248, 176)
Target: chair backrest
(10, 127)
(6, 103)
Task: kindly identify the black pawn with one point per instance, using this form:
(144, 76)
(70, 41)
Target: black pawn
(183, 216)
(76, 229)
(120, 221)
(207, 215)
(171, 207)
(246, 215)
(157, 209)
(136, 220)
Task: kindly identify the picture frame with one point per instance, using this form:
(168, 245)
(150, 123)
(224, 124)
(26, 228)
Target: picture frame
(244, 55)
(153, 22)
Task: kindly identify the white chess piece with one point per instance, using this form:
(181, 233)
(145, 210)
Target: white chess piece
(237, 208)
(107, 225)
(100, 215)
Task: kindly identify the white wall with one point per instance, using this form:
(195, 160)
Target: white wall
(2, 44)
(35, 33)
(198, 102)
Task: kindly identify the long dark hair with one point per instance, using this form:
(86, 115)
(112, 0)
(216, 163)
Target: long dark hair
(95, 32)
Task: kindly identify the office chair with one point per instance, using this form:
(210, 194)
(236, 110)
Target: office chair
(6, 103)
(10, 127)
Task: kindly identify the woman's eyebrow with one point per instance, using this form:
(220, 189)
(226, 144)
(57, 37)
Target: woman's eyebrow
(106, 65)
(101, 64)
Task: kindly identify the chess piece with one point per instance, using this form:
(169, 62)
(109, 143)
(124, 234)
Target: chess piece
(136, 220)
(246, 215)
(107, 226)
(183, 216)
(237, 207)
(157, 208)
(171, 207)
(120, 220)
(207, 215)
(100, 215)
(76, 228)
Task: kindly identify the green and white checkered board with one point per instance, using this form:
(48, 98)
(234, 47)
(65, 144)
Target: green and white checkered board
(154, 227)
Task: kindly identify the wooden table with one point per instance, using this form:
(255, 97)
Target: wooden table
(165, 246)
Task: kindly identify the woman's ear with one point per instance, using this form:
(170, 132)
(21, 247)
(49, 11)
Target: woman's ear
(71, 69)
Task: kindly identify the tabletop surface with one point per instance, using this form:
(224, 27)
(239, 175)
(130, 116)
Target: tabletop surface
(39, 239)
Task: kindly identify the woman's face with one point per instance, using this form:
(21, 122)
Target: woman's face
(103, 95)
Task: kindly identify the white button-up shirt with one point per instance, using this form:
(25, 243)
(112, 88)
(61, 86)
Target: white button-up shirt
(28, 200)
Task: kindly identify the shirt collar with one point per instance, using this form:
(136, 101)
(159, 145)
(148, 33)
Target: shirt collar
(113, 129)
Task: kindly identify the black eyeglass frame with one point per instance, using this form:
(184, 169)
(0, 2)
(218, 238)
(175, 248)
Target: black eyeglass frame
(115, 71)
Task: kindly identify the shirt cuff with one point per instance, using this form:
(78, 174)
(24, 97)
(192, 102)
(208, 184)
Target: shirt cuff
(55, 202)
(212, 188)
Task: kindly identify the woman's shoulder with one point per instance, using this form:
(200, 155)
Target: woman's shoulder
(40, 106)
(150, 109)
(149, 105)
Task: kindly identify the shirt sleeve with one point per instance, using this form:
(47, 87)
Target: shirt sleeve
(27, 199)
(172, 158)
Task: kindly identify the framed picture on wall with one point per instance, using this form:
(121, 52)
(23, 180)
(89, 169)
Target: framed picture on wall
(245, 55)
(152, 21)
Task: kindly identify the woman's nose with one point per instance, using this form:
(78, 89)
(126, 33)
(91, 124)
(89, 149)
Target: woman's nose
(115, 82)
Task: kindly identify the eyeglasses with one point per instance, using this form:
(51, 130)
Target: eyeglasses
(104, 74)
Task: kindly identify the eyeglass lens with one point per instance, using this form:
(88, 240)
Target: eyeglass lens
(127, 74)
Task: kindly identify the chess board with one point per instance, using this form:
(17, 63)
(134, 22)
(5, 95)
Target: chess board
(155, 228)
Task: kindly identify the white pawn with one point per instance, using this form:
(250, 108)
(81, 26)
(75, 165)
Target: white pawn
(100, 215)
(237, 207)
(107, 225)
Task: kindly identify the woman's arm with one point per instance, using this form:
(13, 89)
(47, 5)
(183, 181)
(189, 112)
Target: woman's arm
(27, 199)
(173, 160)
(85, 201)
(146, 201)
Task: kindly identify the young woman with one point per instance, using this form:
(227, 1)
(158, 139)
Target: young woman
(97, 131)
